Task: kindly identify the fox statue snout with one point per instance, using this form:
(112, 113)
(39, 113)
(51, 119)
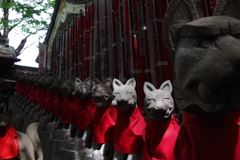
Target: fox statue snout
(207, 63)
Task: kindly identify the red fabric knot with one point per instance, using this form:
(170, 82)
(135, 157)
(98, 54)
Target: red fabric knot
(103, 124)
(68, 109)
(84, 114)
(9, 143)
(160, 138)
(129, 131)
(209, 136)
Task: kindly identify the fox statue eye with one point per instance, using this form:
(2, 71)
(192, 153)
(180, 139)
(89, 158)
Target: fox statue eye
(150, 100)
(166, 99)
(205, 43)
(129, 93)
(116, 93)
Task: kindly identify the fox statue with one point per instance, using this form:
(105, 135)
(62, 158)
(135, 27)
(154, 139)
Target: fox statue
(81, 127)
(16, 144)
(130, 124)
(104, 121)
(162, 128)
(67, 110)
(206, 56)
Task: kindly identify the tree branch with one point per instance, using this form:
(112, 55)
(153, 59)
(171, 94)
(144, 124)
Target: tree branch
(21, 45)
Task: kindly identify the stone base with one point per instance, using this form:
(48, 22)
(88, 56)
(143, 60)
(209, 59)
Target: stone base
(72, 155)
(45, 142)
(56, 152)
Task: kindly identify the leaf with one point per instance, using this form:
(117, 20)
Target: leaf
(29, 17)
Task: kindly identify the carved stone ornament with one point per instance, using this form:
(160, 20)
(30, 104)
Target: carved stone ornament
(206, 55)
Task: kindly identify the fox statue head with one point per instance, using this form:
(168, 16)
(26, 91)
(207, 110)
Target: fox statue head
(83, 89)
(206, 56)
(68, 87)
(125, 96)
(158, 103)
(102, 93)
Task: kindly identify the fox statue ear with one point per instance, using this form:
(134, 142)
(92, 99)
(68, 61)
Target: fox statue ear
(95, 81)
(131, 82)
(77, 82)
(116, 83)
(88, 81)
(166, 86)
(108, 81)
(148, 87)
(178, 13)
(228, 8)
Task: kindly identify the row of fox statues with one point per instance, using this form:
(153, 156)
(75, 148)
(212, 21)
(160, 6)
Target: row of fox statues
(103, 120)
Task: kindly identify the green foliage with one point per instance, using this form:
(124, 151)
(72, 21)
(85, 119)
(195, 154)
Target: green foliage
(28, 16)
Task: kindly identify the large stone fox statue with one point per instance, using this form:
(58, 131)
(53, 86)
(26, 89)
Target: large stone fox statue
(206, 55)
(16, 144)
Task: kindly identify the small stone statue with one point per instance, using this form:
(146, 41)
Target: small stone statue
(104, 121)
(81, 128)
(45, 94)
(57, 97)
(206, 56)
(37, 95)
(162, 129)
(130, 125)
(68, 108)
(16, 144)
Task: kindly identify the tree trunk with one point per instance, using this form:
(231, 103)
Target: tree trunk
(5, 17)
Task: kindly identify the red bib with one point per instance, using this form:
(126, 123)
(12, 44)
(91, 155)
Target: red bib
(42, 98)
(129, 131)
(48, 101)
(57, 107)
(16, 87)
(31, 94)
(160, 139)
(9, 143)
(27, 91)
(68, 109)
(37, 95)
(84, 114)
(21, 88)
(209, 137)
(103, 124)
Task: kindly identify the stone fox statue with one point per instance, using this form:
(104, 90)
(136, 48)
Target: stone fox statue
(17, 145)
(104, 120)
(206, 55)
(162, 128)
(130, 125)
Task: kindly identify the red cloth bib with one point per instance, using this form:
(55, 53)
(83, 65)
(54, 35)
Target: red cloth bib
(68, 109)
(31, 94)
(37, 95)
(129, 131)
(21, 88)
(160, 139)
(27, 90)
(48, 102)
(42, 98)
(16, 87)
(9, 143)
(209, 137)
(84, 114)
(57, 104)
(103, 124)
